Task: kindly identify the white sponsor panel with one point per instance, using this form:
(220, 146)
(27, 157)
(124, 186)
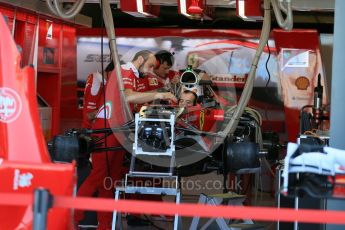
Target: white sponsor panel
(300, 70)
(215, 56)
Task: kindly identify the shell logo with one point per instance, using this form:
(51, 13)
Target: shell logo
(302, 83)
(10, 105)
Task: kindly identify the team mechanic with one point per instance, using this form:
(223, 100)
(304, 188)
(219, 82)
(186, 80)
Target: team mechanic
(109, 163)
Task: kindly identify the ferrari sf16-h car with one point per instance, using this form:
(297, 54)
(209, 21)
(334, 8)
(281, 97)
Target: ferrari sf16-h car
(196, 135)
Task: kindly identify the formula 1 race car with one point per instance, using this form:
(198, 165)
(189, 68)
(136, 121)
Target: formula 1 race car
(193, 134)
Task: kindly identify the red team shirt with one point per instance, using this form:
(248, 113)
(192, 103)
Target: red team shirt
(93, 93)
(110, 114)
(103, 161)
(131, 80)
(155, 82)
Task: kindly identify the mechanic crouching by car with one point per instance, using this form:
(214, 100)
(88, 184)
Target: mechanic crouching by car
(187, 99)
(108, 164)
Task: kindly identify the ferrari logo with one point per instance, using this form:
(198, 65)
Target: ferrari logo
(10, 105)
(153, 81)
(193, 60)
(202, 119)
(21, 180)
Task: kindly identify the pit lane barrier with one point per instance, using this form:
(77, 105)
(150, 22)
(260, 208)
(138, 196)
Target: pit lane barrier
(42, 200)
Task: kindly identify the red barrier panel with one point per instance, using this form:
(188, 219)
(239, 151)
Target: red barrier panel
(165, 208)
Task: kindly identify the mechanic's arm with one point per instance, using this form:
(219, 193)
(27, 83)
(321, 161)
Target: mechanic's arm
(92, 115)
(144, 97)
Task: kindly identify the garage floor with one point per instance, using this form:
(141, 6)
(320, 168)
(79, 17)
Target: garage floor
(264, 199)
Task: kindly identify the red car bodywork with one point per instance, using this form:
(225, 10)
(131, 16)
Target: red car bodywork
(24, 160)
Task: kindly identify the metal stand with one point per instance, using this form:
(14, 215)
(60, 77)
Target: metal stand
(146, 190)
(257, 180)
(42, 203)
(133, 173)
(221, 223)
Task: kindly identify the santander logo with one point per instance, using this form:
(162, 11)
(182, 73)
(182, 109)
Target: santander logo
(10, 105)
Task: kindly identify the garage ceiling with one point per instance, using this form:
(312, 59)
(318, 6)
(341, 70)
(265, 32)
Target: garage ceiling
(303, 5)
(318, 14)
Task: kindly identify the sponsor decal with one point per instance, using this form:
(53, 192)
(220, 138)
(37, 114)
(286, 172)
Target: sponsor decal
(97, 58)
(153, 81)
(229, 78)
(108, 110)
(193, 60)
(302, 83)
(202, 119)
(21, 180)
(10, 105)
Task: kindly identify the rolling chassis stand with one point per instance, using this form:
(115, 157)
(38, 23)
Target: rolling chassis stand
(133, 173)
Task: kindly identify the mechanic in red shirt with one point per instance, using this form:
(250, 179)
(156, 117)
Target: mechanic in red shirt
(137, 89)
(108, 165)
(93, 94)
(163, 77)
(138, 92)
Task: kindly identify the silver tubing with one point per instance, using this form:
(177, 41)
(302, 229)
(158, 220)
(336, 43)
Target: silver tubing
(109, 25)
(248, 88)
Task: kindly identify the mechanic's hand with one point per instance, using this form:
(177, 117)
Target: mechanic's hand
(175, 79)
(92, 115)
(166, 96)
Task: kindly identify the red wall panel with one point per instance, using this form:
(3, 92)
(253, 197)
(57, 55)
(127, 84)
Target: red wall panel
(25, 34)
(48, 65)
(68, 74)
(56, 61)
(49, 46)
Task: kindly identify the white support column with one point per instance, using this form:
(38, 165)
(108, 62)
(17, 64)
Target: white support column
(337, 132)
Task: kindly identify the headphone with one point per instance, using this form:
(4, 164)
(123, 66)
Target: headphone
(164, 56)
